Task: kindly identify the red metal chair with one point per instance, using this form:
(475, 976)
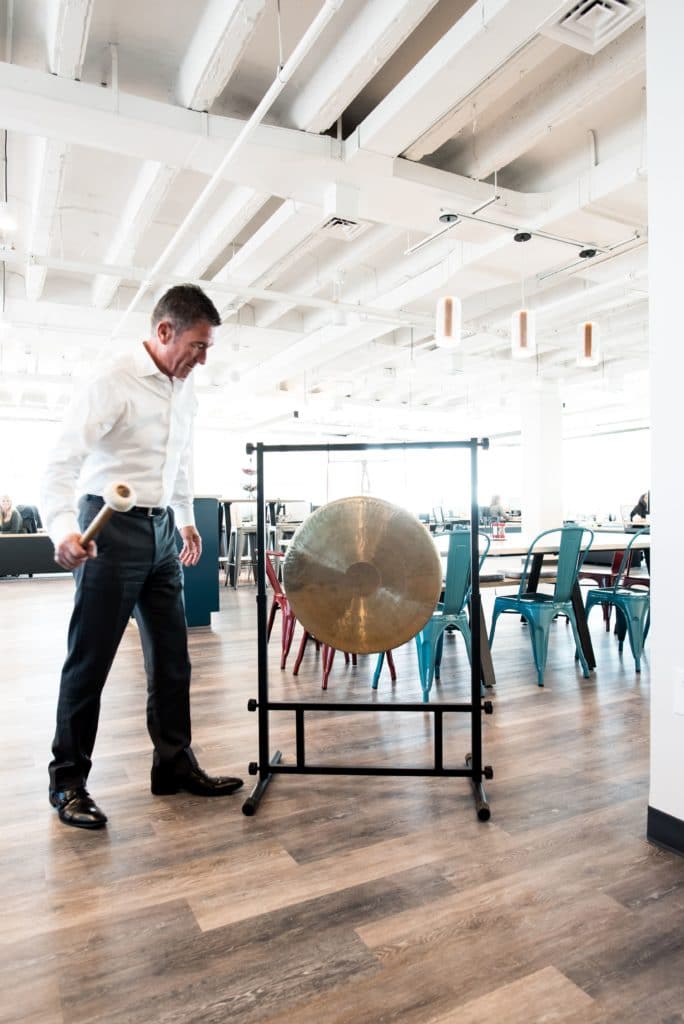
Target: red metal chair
(280, 601)
(329, 656)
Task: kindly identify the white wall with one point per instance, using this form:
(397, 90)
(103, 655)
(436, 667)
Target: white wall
(665, 76)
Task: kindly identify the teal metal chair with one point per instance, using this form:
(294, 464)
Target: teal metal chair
(452, 611)
(539, 610)
(632, 605)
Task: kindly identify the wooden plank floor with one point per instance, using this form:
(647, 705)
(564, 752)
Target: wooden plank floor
(345, 899)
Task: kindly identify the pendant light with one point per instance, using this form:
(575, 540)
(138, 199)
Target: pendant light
(523, 325)
(448, 322)
(588, 353)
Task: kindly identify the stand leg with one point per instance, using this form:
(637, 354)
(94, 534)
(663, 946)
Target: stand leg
(253, 800)
(479, 795)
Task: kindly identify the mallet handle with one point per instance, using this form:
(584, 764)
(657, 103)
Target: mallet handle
(102, 517)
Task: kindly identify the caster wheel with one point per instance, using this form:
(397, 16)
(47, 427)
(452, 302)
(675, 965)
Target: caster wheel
(249, 808)
(252, 705)
(253, 768)
(488, 771)
(488, 707)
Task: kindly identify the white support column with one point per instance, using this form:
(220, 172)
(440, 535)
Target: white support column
(665, 76)
(542, 452)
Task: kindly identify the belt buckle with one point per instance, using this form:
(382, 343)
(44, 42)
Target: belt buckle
(149, 512)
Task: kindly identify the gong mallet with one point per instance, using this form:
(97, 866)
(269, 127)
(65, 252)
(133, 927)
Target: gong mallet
(117, 498)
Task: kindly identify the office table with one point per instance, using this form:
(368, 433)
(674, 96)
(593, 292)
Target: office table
(518, 545)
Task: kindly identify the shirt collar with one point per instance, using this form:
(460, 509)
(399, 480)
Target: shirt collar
(144, 364)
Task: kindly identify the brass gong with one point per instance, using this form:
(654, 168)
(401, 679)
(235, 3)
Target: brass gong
(362, 575)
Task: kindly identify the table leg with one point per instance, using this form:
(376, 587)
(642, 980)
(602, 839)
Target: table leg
(486, 665)
(582, 627)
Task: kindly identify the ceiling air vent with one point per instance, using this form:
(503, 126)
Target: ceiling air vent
(339, 227)
(591, 24)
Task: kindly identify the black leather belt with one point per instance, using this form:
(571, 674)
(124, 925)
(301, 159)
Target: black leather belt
(144, 510)
(141, 510)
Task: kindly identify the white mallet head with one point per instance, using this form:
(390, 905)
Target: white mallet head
(119, 497)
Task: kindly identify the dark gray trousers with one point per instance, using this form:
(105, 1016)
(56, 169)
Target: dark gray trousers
(136, 572)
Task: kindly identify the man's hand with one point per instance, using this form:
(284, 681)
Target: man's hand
(70, 553)
(192, 546)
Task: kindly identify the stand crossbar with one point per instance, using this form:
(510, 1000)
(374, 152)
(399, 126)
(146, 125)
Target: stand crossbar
(267, 766)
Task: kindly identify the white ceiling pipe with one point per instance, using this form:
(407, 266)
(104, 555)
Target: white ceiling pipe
(229, 287)
(330, 7)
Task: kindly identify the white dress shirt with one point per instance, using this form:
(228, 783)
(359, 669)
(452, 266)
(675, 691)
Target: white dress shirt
(131, 424)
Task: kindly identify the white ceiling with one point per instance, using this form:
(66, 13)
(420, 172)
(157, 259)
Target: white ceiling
(119, 114)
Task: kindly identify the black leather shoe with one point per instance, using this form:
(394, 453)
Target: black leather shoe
(189, 778)
(76, 807)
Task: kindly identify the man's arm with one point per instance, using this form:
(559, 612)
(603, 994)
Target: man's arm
(88, 418)
(182, 502)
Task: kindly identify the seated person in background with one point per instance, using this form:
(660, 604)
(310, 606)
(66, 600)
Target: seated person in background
(642, 509)
(496, 509)
(10, 518)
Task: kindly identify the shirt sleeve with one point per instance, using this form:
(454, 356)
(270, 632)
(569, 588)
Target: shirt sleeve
(183, 491)
(89, 417)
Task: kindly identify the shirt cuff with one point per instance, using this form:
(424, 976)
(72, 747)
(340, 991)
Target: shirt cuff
(184, 515)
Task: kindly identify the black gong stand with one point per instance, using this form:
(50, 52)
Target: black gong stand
(269, 764)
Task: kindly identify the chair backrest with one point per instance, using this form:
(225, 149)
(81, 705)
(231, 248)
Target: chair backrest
(457, 583)
(484, 544)
(28, 518)
(272, 574)
(572, 550)
(626, 562)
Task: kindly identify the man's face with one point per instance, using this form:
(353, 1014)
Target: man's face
(179, 354)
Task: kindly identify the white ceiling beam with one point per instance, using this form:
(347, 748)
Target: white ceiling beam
(466, 112)
(319, 346)
(487, 35)
(48, 187)
(353, 254)
(222, 289)
(67, 36)
(149, 191)
(277, 161)
(215, 50)
(37, 103)
(564, 96)
(289, 227)
(220, 229)
(216, 47)
(368, 42)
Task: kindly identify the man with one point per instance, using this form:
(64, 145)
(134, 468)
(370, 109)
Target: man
(133, 424)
